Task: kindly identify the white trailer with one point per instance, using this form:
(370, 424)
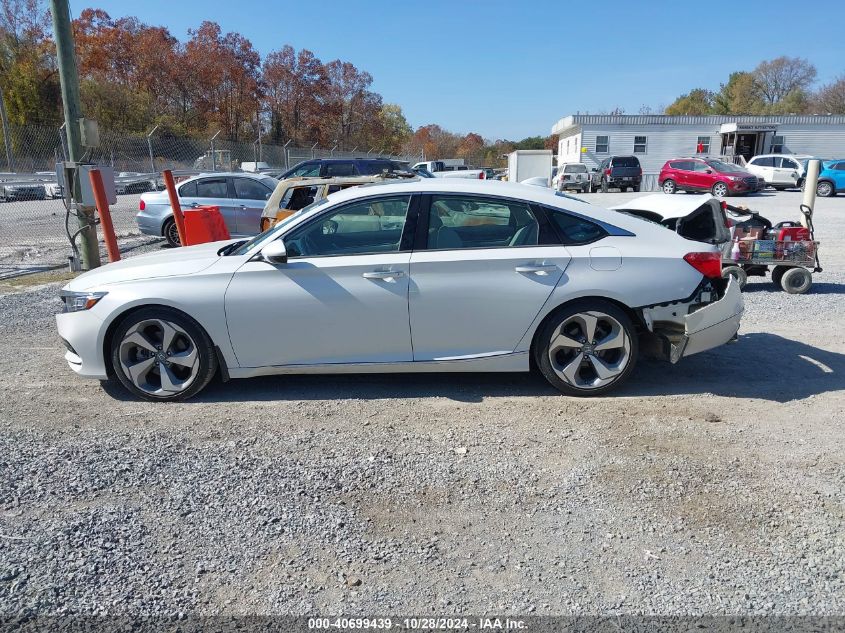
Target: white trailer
(530, 163)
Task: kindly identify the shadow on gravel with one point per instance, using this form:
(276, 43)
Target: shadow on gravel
(459, 387)
(758, 365)
(816, 289)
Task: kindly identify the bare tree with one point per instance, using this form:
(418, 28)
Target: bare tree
(831, 97)
(777, 78)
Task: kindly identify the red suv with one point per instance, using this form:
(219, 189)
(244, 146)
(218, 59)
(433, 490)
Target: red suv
(706, 174)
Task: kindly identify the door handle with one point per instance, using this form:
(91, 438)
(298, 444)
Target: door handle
(383, 274)
(550, 268)
(194, 205)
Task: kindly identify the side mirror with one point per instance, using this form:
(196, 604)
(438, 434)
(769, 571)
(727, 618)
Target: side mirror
(708, 171)
(594, 169)
(275, 252)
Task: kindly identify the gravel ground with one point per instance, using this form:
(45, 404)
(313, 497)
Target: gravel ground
(714, 487)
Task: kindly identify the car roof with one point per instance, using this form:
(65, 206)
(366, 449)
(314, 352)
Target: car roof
(469, 186)
(328, 180)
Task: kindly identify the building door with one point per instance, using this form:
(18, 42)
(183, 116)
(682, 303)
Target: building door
(746, 145)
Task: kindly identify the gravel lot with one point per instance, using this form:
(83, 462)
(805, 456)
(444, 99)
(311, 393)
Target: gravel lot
(714, 487)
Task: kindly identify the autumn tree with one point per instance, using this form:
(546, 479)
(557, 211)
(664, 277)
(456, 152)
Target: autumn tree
(28, 74)
(697, 102)
(739, 95)
(830, 98)
(295, 85)
(395, 129)
(224, 79)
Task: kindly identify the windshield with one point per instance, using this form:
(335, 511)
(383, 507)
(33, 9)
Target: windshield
(261, 239)
(423, 172)
(575, 169)
(625, 161)
(725, 168)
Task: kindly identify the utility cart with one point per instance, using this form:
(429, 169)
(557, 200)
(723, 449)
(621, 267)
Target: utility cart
(787, 250)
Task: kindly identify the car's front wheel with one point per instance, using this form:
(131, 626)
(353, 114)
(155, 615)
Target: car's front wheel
(587, 348)
(159, 353)
(720, 190)
(669, 186)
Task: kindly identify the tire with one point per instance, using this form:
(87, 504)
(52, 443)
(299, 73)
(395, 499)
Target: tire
(171, 233)
(737, 273)
(777, 275)
(603, 185)
(800, 184)
(144, 349)
(669, 186)
(720, 190)
(572, 363)
(636, 189)
(825, 189)
(796, 281)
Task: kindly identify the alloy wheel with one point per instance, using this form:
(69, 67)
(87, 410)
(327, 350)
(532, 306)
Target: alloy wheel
(824, 189)
(589, 350)
(669, 187)
(720, 190)
(159, 357)
(172, 234)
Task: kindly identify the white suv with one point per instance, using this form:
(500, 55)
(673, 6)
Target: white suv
(780, 171)
(572, 176)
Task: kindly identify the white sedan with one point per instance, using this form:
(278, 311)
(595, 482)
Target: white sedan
(431, 275)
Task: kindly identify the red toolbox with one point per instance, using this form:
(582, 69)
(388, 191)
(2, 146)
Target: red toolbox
(204, 224)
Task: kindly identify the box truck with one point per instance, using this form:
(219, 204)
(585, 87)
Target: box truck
(530, 163)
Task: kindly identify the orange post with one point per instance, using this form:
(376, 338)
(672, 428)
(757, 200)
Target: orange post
(105, 214)
(174, 204)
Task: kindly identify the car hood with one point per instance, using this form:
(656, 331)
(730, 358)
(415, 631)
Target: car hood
(174, 262)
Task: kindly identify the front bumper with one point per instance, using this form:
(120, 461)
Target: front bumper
(82, 333)
(709, 326)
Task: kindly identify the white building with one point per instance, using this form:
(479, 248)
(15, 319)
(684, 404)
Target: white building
(654, 139)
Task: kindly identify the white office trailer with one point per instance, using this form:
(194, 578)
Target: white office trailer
(654, 139)
(530, 163)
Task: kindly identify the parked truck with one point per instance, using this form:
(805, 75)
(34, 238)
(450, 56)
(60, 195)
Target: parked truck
(451, 168)
(530, 163)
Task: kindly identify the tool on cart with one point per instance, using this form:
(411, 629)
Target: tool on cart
(787, 250)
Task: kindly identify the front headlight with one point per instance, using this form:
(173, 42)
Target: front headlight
(78, 301)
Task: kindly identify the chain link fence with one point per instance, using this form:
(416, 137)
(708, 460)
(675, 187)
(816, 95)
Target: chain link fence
(33, 220)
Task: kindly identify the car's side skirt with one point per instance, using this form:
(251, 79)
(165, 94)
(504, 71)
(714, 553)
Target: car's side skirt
(513, 362)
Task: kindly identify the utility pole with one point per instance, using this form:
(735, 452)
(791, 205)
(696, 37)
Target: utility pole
(69, 79)
(7, 139)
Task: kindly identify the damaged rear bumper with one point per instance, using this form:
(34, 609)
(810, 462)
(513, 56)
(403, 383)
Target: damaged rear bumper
(687, 328)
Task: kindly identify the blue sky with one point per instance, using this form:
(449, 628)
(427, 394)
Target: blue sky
(512, 69)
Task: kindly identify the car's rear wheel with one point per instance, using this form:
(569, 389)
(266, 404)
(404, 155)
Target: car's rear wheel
(720, 190)
(796, 281)
(737, 273)
(159, 353)
(587, 348)
(171, 233)
(669, 186)
(824, 189)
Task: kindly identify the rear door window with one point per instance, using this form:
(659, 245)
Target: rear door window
(764, 161)
(250, 189)
(374, 167)
(457, 222)
(212, 188)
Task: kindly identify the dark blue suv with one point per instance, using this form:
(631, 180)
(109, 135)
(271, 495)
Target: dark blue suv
(330, 167)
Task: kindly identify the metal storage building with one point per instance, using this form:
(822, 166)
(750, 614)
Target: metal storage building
(654, 139)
